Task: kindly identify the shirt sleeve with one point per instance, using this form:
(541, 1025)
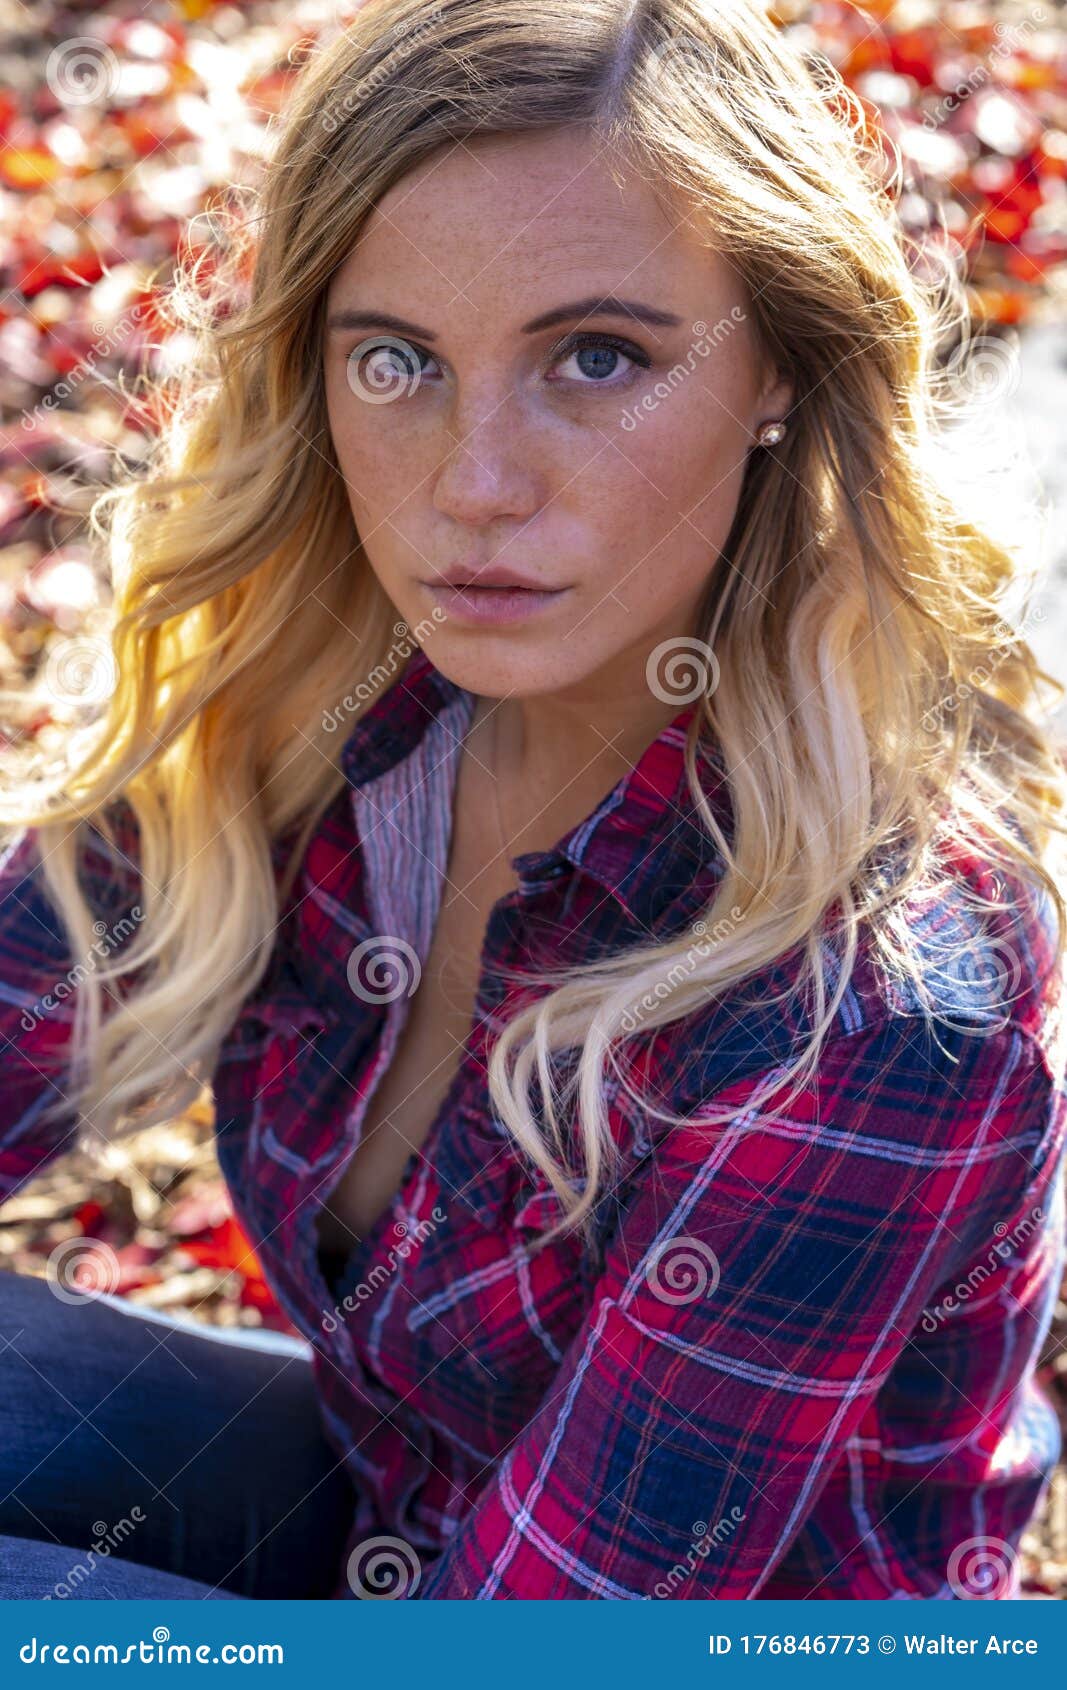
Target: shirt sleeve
(761, 1282)
(39, 978)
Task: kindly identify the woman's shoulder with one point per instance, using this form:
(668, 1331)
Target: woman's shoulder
(983, 943)
(979, 991)
(946, 1092)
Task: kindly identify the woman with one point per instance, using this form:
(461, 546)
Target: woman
(628, 983)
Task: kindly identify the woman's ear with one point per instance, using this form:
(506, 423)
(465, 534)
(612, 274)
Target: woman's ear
(776, 397)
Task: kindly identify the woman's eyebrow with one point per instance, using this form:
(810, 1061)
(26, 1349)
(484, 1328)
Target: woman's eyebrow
(595, 306)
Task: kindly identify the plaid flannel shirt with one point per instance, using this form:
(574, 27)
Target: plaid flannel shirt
(797, 1359)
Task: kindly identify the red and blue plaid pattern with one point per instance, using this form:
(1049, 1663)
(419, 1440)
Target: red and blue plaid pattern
(798, 1358)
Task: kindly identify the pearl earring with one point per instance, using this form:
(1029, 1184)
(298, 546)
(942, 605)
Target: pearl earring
(770, 433)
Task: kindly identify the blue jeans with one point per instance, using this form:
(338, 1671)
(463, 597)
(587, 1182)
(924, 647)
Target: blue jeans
(140, 1456)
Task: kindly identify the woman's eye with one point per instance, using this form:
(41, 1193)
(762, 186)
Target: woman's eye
(596, 361)
(386, 367)
(390, 368)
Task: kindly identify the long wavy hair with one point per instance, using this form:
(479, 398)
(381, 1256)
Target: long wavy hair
(875, 696)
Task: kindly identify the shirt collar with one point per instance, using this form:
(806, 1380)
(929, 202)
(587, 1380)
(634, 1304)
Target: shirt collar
(644, 844)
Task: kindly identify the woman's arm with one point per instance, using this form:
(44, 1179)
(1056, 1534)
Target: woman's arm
(39, 978)
(763, 1281)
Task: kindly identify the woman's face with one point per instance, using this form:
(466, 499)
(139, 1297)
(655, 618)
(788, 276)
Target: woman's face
(485, 413)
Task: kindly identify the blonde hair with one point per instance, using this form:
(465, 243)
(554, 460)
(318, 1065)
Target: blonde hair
(875, 693)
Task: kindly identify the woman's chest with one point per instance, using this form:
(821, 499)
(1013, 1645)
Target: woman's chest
(411, 1076)
(427, 1029)
(450, 1306)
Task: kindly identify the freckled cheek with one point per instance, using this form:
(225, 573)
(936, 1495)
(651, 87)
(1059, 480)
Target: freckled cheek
(695, 468)
(378, 460)
(658, 509)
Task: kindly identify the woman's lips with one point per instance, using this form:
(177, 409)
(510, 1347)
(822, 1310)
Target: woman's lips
(494, 604)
